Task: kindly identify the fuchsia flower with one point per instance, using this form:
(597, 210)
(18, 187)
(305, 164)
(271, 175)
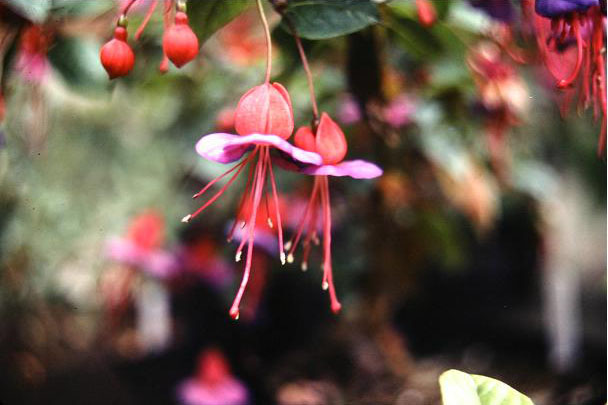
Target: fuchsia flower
(263, 120)
(142, 247)
(213, 383)
(570, 36)
(32, 60)
(330, 143)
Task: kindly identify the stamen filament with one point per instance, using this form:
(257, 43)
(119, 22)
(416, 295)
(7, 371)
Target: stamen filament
(563, 83)
(258, 188)
(277, 210)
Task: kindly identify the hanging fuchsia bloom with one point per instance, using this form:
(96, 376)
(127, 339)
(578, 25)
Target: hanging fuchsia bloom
(570, 35)
(32, 60)
(264, 120)
(142, 247)
(329, 142)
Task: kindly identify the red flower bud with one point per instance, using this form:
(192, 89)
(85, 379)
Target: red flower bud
(426, 12)
(265, 109)
(305, 139)
(179, 42)
(330, 141)
(116, 55)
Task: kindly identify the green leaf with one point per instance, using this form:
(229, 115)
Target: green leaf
(35, 11)
(458, 388)
(321, 19)
(206, 17)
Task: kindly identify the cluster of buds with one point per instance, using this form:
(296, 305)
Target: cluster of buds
(180, 44)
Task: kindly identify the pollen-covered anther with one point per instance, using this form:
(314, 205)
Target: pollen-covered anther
(290, 258)
(270, 224)
(237, 257)
(287, 245)
(235, 314)
(325, 285)
(304, 266)
(187, 218)
(282, 255)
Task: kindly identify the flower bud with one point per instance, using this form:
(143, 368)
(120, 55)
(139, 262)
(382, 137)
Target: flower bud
(330, 141)
(265, 109)
(116, 55)
(179, 42)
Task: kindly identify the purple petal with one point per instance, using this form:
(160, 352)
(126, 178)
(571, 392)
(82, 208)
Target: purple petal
(556, 8)
(357, 169)
(226, 148)
(154, 262)
(500, 10)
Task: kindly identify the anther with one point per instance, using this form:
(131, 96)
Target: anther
(304, 266)
(237, 257)
(282, 258)
(290, 258)
(287, 245)
(187, 218)
(270, 224)
(325, 285)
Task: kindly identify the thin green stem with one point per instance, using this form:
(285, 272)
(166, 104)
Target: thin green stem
(268, 41)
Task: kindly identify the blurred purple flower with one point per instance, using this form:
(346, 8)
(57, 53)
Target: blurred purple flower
(556, 8)
(157, 263)
(229, 392)
(501, 10)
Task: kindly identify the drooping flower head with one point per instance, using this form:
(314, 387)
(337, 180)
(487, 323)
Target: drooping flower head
(32, 60)
(570, 36)
(264, 120)
(330, 143)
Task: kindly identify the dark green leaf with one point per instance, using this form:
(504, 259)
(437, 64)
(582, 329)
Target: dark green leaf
(35, 11)
(208, 16)
(458, 388)
(321, 19)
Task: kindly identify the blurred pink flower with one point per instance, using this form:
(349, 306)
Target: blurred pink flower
(32, 62)
(213, 383)
(349, 111)
(399, 112)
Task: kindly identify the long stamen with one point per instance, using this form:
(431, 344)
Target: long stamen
(258, 188)
(576, 29)
(188, 217)
(276, 206)
(335, 304)
(293, 243)
(144, 23)
(268, 41)
(212, 182)
(239, 210)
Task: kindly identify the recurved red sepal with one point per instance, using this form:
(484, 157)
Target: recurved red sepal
(305, 139)
(179, 42)
(330, 141)
(116, 55)
(265, 109)
(426, 12)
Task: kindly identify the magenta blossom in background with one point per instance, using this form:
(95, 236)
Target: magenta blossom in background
(229, 392)
(399, 112)
(157, 263)
(32, 62)
(349, 111)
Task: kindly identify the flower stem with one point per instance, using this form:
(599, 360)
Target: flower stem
(311, 88)
(268, 41)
